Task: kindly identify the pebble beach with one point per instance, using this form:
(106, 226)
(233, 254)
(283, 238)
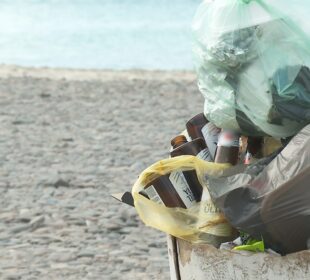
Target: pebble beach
(69, 139)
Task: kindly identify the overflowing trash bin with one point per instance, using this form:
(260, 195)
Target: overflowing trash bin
(234, 196)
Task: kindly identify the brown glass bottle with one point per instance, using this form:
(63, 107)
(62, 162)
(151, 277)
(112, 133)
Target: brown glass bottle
(254, 146)
(179, 188)
(200, 127)
(227, 147)
(194, 126)
(198, 148)
(172, 190)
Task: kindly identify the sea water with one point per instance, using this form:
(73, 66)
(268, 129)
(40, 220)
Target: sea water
(113, 34)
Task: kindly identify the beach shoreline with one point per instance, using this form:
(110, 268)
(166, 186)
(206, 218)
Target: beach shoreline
(9, 71)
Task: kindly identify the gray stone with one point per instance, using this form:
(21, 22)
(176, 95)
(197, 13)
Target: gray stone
(20, 228)
(13, 277)
(61, 183)
(37, 222)
(62, 257)
(113, 227)
(85, 254)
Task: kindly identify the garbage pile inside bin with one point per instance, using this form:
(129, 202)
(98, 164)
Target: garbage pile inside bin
(238, 177)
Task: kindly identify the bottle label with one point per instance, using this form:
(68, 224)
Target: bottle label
(188, 138)
(153, 195)
(228, 139)
(211, 133)
(205, 155)
(181, 186)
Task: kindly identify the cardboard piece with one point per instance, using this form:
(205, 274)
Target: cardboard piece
(125, 197)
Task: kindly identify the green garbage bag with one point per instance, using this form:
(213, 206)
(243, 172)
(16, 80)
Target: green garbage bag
(252, 59)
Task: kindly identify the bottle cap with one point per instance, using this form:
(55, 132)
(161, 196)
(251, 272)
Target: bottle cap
(178, 141)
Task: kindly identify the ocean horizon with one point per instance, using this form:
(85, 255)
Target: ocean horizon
(94, 34)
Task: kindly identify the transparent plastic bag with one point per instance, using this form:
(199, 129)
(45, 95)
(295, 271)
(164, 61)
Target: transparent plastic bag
(252, 60)
(201, 223)
(271, 198)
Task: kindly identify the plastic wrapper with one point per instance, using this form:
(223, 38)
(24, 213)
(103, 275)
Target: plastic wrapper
(201, 223)
(271, 198)
(252, 60)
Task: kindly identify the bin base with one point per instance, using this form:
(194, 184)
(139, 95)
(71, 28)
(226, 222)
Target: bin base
(200, 262)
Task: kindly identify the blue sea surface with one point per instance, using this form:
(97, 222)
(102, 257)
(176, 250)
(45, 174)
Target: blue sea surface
(113, 34)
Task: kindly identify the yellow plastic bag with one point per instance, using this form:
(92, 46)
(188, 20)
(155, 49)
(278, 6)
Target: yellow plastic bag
(202, 223)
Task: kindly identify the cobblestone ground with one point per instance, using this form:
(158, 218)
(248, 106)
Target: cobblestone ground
(65, 145)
